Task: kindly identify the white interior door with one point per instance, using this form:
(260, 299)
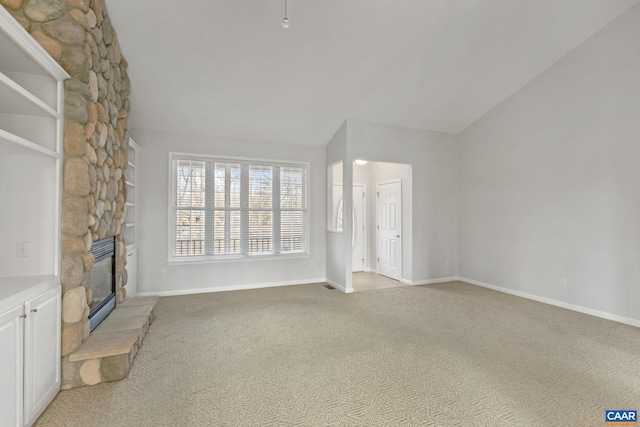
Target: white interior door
(359, 230)
(389, 209)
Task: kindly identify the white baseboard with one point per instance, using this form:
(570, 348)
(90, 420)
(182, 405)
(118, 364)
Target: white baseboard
(573, 307)
(338, 286)
(230, 288)
(429, 281)
(578, 308)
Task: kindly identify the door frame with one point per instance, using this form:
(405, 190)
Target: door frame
(399, 182)
(364, 224)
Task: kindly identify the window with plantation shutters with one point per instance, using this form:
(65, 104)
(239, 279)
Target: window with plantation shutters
(189, 207)
(233, 208)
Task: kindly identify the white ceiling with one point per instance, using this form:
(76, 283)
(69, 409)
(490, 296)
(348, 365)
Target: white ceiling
(227, 67)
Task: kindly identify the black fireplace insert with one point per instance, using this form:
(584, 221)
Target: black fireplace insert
(102, 281)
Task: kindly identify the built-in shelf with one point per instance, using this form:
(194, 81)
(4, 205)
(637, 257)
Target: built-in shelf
(31, 91)
(21, 53)
(13, 144)
(31, 106)
(130, 229)
(16, 99)
(131, 178)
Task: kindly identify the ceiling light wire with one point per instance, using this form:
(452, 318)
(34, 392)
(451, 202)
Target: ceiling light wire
(285, 21)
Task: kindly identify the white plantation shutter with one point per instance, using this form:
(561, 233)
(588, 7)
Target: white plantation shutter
(292, 209)
(259, 228)
(233, 207)
(189, 208)
(225, 195)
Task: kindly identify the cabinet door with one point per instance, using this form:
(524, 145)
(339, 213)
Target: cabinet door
(11, 356)
(42, 353)
(132, 271)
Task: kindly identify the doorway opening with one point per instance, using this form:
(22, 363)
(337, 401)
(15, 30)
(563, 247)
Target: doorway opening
(381, 207)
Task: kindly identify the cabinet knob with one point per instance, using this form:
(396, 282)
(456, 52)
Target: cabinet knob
(23, 316)
(35, 310)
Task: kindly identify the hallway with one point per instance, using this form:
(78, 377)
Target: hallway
(367, 281)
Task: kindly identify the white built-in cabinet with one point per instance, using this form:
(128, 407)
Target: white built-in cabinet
(11, 368)
(30, 342)
(31, 119)
(130, 226)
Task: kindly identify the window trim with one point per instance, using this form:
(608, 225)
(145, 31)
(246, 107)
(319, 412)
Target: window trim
(204, 259)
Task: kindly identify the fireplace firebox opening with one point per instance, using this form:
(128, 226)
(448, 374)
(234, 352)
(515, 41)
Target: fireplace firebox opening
(102, 281)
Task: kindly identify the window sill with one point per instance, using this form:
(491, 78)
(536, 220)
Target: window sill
(232, 258)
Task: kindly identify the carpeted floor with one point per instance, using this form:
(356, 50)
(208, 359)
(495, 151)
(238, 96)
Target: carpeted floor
(440, 355)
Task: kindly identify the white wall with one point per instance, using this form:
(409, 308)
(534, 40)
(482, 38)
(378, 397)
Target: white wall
(29, 214)
(549, 180)
(433, 157)
(153, 176)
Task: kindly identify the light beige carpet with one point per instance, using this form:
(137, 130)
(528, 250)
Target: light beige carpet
(441, 355)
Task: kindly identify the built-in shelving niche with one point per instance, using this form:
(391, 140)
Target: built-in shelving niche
(31, 112)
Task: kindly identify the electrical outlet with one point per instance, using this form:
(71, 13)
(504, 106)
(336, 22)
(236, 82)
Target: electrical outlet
(163, 273)
(22, 249)
(563, 281)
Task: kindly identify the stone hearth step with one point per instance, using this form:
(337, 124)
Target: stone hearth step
(109, 351)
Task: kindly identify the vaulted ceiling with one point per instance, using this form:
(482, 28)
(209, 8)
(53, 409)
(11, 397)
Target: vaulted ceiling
(228, 68)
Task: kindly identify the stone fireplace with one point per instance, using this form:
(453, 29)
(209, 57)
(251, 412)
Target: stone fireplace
(78, 34)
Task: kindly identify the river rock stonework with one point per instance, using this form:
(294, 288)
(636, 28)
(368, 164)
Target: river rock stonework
(79, 35)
